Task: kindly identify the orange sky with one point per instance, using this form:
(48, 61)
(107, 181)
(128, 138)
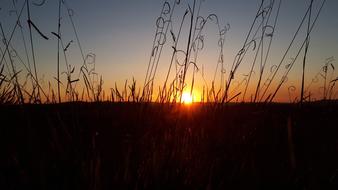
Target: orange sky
(121, 34)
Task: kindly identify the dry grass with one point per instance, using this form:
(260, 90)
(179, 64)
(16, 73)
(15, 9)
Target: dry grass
(140, 136)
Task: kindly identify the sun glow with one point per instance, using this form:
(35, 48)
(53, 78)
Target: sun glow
(187, 98)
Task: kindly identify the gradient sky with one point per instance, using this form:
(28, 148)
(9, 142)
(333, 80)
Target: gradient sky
(120, 33)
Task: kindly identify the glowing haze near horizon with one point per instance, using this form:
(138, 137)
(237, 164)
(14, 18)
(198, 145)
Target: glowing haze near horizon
(120, 33)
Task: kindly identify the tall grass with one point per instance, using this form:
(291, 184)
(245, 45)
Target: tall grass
(181, 74)
(23, 93)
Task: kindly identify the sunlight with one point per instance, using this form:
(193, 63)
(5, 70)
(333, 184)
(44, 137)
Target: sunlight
(186, 98)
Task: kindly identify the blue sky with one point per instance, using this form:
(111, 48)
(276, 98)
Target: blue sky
(120, 33)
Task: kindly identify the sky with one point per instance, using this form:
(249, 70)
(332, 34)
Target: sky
(120, 33)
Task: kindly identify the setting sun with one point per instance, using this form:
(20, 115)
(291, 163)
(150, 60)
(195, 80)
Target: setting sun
(186, 98)
(194, 94)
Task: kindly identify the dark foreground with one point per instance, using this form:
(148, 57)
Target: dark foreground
(142, 146)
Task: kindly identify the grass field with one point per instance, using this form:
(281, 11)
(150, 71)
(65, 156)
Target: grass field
(195, 119)
(143, 145)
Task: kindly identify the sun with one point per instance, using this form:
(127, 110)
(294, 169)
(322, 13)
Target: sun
(186, 98)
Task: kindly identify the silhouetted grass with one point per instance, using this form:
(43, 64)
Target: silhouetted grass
(118, 146)
(139, 137)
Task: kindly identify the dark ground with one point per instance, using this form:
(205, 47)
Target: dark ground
(152, 146)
